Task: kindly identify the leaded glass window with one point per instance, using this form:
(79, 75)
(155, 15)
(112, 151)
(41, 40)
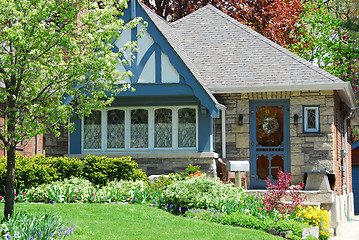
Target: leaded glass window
(311, 119)
(92, 131)
(139, 128)
(187, 127)
(116, 129)
(163, 127)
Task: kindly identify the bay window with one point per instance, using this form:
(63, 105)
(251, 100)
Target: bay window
(141, 129)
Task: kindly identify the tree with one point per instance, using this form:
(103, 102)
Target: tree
(274, 19)
(50, 50)
(326, 43)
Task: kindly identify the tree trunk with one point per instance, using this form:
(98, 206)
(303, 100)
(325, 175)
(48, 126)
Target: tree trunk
(10, 183)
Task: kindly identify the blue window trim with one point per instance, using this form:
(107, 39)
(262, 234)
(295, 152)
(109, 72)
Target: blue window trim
(317, 108)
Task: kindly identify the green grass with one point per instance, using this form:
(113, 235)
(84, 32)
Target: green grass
(125, 221)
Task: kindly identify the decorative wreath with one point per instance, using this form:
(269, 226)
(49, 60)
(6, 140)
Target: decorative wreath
(270, 125)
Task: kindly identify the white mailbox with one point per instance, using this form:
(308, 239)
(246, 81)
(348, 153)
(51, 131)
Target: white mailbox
(238, 167)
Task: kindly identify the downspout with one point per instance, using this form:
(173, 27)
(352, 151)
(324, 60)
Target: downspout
(352, 113)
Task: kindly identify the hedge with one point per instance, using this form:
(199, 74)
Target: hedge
(31, 172)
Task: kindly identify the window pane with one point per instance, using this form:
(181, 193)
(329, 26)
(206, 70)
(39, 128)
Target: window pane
(139, 128)
(92, 131)
(116, 129)
(163, 128)
(187, 127)
(311, 118)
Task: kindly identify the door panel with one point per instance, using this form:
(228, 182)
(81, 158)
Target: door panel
(269, 140)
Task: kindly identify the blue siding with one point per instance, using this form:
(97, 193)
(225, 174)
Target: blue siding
(204, 131)
(75, 137)
(145, 89)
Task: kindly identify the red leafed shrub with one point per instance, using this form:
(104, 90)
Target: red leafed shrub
(281, 195)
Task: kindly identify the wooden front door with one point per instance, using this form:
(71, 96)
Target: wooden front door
(269, 140)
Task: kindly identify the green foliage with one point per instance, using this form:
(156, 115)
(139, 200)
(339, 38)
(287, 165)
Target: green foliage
(68, 190)
(192, 169)
(291, 225)
(25, 226)
(201, 192)
(99, 170)
(32, 172)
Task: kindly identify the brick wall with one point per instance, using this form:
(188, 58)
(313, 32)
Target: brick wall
(308, 151)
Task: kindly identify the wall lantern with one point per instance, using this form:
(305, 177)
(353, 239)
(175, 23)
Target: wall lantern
(295, 119)
(240, 119)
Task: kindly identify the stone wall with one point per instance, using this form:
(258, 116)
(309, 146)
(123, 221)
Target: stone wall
(309, 151)
(56, 146)
(165, 163)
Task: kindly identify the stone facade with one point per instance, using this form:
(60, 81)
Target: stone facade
(165, 163)
(56, 146)
(308, 151)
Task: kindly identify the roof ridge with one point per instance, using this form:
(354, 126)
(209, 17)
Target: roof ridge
(275, 45)
(191, 14)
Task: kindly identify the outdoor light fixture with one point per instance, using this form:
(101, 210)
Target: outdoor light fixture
(240, 119)
(295, 119)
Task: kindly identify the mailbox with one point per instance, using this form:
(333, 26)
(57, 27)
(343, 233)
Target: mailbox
(238, 167)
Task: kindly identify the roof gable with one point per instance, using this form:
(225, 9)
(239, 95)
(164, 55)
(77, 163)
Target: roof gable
(169, 49)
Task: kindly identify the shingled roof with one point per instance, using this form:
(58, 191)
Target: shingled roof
(227, 57)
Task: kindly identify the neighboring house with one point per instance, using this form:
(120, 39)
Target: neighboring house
(26, 148)
(355, 173)
(208, 87)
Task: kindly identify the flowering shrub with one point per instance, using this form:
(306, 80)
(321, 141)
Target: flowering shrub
(316, 217)
(120, 191)
(202, 192)
(281, 191)
(68, 190)
(24, 226)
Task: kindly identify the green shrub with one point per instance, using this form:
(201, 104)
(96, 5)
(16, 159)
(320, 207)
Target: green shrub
(100, 170)
(291, 225)
(32, 172)
(68, 167)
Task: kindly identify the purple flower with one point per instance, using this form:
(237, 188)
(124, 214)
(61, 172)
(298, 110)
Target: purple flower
(8, 236)
(256, 197)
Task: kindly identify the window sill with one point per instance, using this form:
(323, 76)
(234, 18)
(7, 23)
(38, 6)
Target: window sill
(168, 155)
(311, 135)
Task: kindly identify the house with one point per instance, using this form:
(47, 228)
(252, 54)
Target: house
(208, 87)
(355, 173)
(27, 148)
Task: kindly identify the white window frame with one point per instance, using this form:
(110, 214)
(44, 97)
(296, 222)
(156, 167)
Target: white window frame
(306, 129)
(151, 135)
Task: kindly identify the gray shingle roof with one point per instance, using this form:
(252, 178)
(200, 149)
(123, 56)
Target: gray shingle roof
(226, 56)
(229, 54)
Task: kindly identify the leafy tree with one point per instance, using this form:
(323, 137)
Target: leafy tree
(274, 19)
(325, 42)
(50, 49)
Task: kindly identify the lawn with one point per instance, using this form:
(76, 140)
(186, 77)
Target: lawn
(127, 221)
